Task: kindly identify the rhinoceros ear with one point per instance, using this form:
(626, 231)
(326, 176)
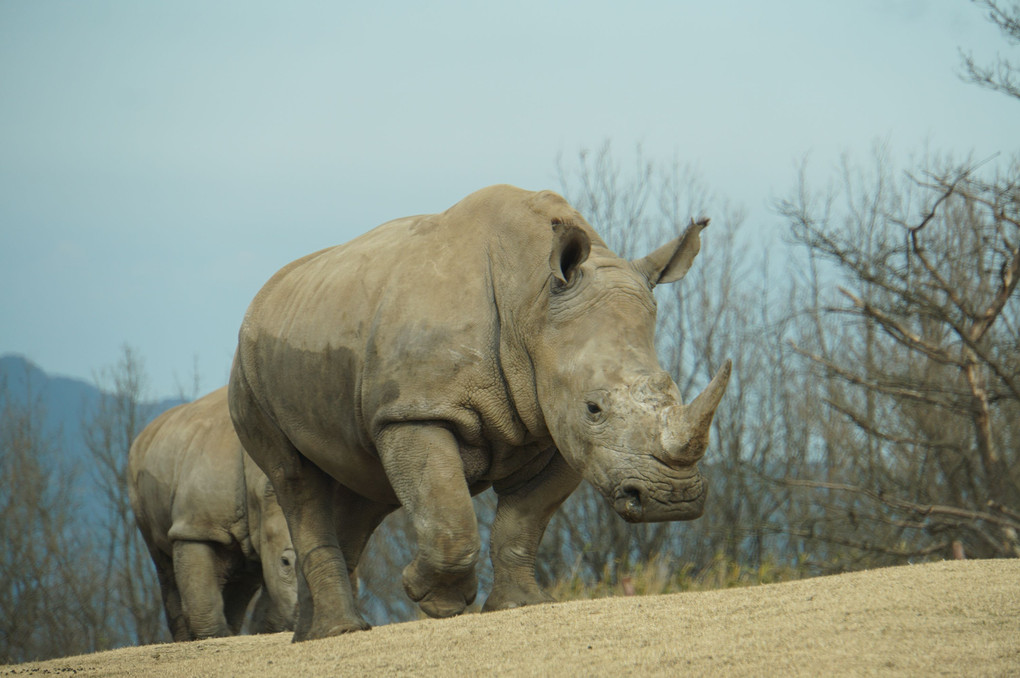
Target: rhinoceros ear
(671, 262)
(570, 248)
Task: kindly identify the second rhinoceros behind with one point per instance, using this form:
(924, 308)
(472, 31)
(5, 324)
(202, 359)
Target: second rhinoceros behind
(211, 523)
(500, 343)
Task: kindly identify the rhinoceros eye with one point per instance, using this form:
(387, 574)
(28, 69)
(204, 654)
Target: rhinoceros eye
(595, 407)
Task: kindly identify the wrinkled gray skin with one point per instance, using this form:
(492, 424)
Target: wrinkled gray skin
(212, 524)
(500, 343)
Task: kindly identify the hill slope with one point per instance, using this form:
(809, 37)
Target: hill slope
(950, 618)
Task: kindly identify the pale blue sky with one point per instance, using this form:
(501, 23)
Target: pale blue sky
(160, 160)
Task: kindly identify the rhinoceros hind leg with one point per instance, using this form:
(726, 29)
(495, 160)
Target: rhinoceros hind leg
(325, 619)
(522, 514)
(326, 605)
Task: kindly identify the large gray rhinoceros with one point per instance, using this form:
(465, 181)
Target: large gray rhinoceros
(210, 519)
(500, 343)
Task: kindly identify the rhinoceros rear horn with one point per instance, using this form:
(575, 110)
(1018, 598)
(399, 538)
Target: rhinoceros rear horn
(671, 262)
(570, 248)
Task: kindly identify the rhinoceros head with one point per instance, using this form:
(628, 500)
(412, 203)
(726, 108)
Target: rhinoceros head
(614, 413)
(278, 603)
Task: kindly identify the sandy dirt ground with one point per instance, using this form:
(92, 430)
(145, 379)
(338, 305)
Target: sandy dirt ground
(958, 618)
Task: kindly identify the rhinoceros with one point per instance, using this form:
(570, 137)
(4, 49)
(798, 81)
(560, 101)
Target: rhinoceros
(497, 344)
(213, 527)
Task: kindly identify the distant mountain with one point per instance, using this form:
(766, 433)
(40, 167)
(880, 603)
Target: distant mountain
(65, 404)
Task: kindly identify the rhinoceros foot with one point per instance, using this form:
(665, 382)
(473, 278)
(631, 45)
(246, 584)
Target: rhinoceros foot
(439, 594)
(513, 595)
(347, 626)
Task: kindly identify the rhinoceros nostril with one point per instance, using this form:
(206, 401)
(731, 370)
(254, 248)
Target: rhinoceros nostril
(628, 502)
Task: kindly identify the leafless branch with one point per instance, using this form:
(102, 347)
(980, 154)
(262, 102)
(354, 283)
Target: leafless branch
(903, 334)
(887, 388)
(899, 503)
(863, 424)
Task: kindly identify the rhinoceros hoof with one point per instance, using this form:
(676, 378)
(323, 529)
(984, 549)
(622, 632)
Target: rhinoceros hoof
(439, 594)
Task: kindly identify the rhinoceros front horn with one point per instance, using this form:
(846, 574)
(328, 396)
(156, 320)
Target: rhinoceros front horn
(686, 429)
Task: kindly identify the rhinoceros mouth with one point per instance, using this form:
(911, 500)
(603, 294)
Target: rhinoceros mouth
(640, 502)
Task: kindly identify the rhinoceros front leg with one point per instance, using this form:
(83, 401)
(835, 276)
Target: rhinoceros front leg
(200, 569)
(522, 514)
(424, 467)
(172, 605)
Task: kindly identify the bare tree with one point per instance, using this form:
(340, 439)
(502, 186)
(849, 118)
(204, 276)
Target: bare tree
(47, 581)
(129, 608)
(921, 363)
(919, 350)
(1004, 75)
